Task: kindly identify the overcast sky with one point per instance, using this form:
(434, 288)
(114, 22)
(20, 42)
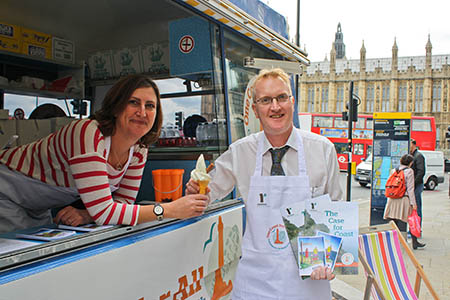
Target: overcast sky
(375, 22)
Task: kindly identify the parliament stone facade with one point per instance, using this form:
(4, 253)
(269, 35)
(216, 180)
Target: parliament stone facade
(417, 84)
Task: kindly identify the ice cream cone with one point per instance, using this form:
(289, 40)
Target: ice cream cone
(203, 185)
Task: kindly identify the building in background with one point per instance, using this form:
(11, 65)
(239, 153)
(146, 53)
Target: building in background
(339, 43)
(417, 84)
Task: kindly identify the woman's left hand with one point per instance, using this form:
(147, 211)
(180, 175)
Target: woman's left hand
(72, 216)
(322, 273)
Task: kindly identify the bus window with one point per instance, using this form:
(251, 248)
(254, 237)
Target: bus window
(358, 149)
(369, 123)
(339, 123)
(421, 125)
(369, 150)
(360, 124)
(340, 148)
(320, 121)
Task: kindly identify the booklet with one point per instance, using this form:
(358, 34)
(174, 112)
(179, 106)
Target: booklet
(338, 218)
(293, 219)
(46, 234)
(85, 228)
(332, 245)
(310, 254)
(9, 245)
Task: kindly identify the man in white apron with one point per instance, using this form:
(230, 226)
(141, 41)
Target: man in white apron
(268, 269)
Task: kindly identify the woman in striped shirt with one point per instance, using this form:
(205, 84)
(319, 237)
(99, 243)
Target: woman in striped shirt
(100, 160)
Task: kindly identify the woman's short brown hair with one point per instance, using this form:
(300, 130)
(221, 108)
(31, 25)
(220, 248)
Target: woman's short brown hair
(406, 159)
(117, 99)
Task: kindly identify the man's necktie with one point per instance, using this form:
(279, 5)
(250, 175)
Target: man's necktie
(277, 155)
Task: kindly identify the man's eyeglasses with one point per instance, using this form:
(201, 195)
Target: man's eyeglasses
(281, 99)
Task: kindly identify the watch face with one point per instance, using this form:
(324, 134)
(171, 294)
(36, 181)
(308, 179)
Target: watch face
(158, 210)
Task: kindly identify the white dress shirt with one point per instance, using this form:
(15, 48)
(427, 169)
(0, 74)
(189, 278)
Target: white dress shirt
(237, 165)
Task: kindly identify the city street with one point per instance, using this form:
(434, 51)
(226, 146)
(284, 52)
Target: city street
(358, 192)
(433, 258)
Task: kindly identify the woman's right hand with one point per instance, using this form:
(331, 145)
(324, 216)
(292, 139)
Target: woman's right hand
(72, 216)
(414, 206)
(186, 207)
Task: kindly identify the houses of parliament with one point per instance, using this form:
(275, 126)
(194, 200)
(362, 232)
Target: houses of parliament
(417, 84)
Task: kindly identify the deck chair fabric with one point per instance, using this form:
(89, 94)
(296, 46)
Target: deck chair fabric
(383, 254)
(380, 253)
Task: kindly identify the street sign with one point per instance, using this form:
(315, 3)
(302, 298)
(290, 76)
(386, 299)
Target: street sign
(186, 44)
(19, 114)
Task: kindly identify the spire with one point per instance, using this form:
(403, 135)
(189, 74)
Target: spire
(362, 59)
(395, 55)
(362, 52)
(394, 47)
(339, 42)
(333, 58)
(428, 47)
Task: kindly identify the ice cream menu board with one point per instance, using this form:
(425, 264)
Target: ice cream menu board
(391, 133)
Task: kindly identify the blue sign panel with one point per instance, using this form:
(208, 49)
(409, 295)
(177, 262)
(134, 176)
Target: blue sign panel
(190, 46)
(390, 143)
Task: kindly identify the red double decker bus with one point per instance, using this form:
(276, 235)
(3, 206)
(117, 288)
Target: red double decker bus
(423, 130)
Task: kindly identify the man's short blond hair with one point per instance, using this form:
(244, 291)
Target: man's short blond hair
(275, 73)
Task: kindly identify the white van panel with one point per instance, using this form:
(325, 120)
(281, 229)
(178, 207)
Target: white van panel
(434, 170)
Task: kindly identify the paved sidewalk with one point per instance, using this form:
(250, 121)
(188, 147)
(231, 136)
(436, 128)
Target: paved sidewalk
(435, 257)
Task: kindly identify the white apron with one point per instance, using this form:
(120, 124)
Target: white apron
(268, 269)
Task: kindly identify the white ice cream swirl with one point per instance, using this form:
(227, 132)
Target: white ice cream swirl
(199, 173)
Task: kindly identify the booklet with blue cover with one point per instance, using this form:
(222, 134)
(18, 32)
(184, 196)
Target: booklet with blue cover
(46, 234)
(311, 254)
(332, 245)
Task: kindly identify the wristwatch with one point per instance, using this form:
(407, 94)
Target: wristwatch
(158, 210)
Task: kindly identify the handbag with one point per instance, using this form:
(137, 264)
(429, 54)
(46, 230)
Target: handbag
(414, 223)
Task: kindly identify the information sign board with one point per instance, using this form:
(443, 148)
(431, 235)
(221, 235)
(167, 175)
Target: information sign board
(391, 132)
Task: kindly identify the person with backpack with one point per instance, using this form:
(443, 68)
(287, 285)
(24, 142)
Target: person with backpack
(401, 200)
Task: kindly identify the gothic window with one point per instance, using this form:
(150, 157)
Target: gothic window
(340, 99)
(438, 136)
(385, 99)
(324, 99)
(402, 98)
(436, 100)
(370, 98)
(419, 98)
(311, 99)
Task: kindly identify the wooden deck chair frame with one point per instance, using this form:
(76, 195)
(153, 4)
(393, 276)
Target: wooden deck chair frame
(372, 280)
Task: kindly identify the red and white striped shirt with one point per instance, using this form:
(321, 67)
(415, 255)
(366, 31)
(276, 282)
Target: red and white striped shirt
(76, 156)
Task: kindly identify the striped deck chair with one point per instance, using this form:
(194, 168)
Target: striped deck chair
(380, 253)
